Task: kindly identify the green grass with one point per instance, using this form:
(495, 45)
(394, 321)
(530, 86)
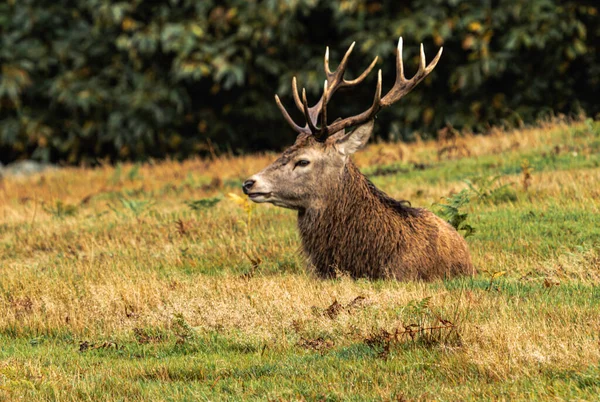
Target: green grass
(132, 294)
(216, 367)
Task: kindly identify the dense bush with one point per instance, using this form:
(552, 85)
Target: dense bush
(87, 79)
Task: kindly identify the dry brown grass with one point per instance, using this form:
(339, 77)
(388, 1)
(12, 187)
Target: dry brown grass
(107, 272)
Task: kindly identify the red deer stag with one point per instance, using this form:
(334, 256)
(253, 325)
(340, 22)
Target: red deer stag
(345, 222)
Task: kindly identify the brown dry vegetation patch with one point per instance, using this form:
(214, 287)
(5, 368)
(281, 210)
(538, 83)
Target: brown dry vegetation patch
(133, 262)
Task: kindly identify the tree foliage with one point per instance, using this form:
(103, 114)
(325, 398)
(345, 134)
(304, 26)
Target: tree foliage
(88, 79)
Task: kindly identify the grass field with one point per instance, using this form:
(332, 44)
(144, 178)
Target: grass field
(151, 283)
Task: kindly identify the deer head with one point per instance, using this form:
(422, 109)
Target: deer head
(315, 162)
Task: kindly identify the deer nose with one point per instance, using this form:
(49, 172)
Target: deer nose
(248, 185)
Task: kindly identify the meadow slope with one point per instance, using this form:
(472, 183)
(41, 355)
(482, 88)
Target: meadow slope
(150, 282)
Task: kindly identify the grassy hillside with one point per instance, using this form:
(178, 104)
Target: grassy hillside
(151, 283)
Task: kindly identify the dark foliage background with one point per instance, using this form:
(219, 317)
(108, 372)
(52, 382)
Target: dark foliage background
(88, 79)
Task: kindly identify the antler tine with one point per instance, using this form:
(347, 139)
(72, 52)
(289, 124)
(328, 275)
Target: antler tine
(377, 99)
(324, 100)
(361, 77)
(399, 62)
(341, 69)
(336, 78)
(297, 100)
(435, 60)
(307, 114)
(288, 118)
(362, 117)
(422, 61)
(402, 86)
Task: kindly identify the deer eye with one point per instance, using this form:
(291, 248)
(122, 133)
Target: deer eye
(302, 163)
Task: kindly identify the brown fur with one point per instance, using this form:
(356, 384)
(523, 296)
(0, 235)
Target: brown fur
(347, 224)
(365, 233)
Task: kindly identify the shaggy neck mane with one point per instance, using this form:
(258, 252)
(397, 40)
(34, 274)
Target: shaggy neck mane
(353, 215)
(355, 193)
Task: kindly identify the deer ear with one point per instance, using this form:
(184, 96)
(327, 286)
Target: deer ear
(349, 143)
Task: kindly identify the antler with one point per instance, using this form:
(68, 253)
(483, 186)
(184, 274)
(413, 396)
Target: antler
(336, 80)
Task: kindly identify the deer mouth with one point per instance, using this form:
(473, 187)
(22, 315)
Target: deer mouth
(258, 195)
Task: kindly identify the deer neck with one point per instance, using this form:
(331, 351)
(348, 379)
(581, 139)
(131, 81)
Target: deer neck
(354, 203)
(353, 215)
